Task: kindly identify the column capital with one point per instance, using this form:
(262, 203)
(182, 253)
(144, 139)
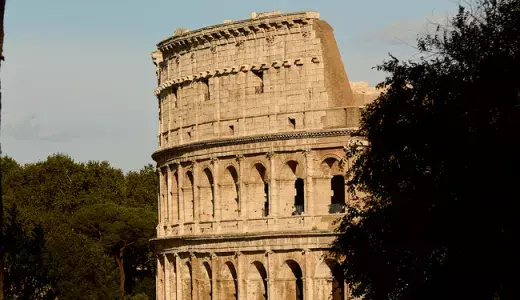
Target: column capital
(238, 254)
(214, 160)
(176, 255)
(239, 158)
(192, 255)
(269, 252)
(306, 250)
(212, 255)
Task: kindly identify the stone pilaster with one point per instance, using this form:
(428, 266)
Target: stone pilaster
(159, 277)
(214, 274)
(195, 269)
(178, 277)
(309, 188)
(216, 189)
(242, 201)
(307, 274)
(273, 189)
(196, 195)
(241, 295)
(168, 278)
(180, 172)
(169, 195)
(270, 275)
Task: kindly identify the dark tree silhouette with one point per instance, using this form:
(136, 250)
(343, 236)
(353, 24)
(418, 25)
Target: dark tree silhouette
(442, 167)
(2, 13)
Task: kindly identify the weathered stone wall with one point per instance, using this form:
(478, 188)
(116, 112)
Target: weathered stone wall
(270, 74)
(254, 118)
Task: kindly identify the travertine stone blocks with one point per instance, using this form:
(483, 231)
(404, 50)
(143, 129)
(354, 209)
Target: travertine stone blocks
(254, 117)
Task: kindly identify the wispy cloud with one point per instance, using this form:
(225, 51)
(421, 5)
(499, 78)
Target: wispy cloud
(29, 129)
(405, 32)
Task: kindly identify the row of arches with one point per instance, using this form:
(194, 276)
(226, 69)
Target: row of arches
(288, 282)
(289, 187)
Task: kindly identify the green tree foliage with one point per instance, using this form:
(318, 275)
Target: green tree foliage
(123, 232)
(55, 212)
(442, 167)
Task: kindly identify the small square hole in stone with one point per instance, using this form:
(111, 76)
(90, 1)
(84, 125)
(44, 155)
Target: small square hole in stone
(292, 122)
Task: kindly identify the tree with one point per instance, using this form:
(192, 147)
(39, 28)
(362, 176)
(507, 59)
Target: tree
(78, 267)
(2, 243)
(121, 231)
(50, 249)
(441, 167)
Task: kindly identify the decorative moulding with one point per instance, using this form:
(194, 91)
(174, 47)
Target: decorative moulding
(233, 70)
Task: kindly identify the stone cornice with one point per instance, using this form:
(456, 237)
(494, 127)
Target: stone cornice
(253, 139)
(286, 63)
(247, 236)
(234, 29)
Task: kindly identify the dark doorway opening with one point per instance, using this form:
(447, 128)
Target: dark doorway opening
(266, 203)
(299, 197)
(337, 200)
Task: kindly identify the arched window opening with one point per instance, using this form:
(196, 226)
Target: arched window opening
(174, 194)
(266, 202)
(257, 282)
(206, 287)
(188, 192)
(299, 196)
(330, 281)
(187, 282)
(207, 196)
(257, 192)
(291, 189)
(289, 281)
(228, 282)
(338, 283)
(337, 199)
(230, 194)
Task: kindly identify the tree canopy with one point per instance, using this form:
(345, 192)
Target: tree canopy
(441, 167)
(78, 230)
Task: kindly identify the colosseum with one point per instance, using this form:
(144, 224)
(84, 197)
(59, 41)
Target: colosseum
(254, 120)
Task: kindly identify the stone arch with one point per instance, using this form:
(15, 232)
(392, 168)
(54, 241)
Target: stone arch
(329, 280)
(228, 282)
(207, 195)
(330, 165)
(229, 191)
(292, 189)
(258, 192)
(333, 181)
(289, 281)
(205, 282)
(256, 281)
(296, 166)
(187, 281)
(188, 194)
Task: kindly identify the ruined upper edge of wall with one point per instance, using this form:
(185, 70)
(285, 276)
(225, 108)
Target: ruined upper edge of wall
(231, 28)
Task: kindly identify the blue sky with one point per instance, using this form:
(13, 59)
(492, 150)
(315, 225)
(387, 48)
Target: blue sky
(78, 78)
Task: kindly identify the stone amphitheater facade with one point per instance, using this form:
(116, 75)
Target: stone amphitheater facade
(254, 119)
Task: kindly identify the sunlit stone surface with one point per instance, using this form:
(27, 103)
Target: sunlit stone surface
(254, 117)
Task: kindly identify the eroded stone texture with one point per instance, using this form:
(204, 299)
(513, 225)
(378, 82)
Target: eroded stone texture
(254, 120)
